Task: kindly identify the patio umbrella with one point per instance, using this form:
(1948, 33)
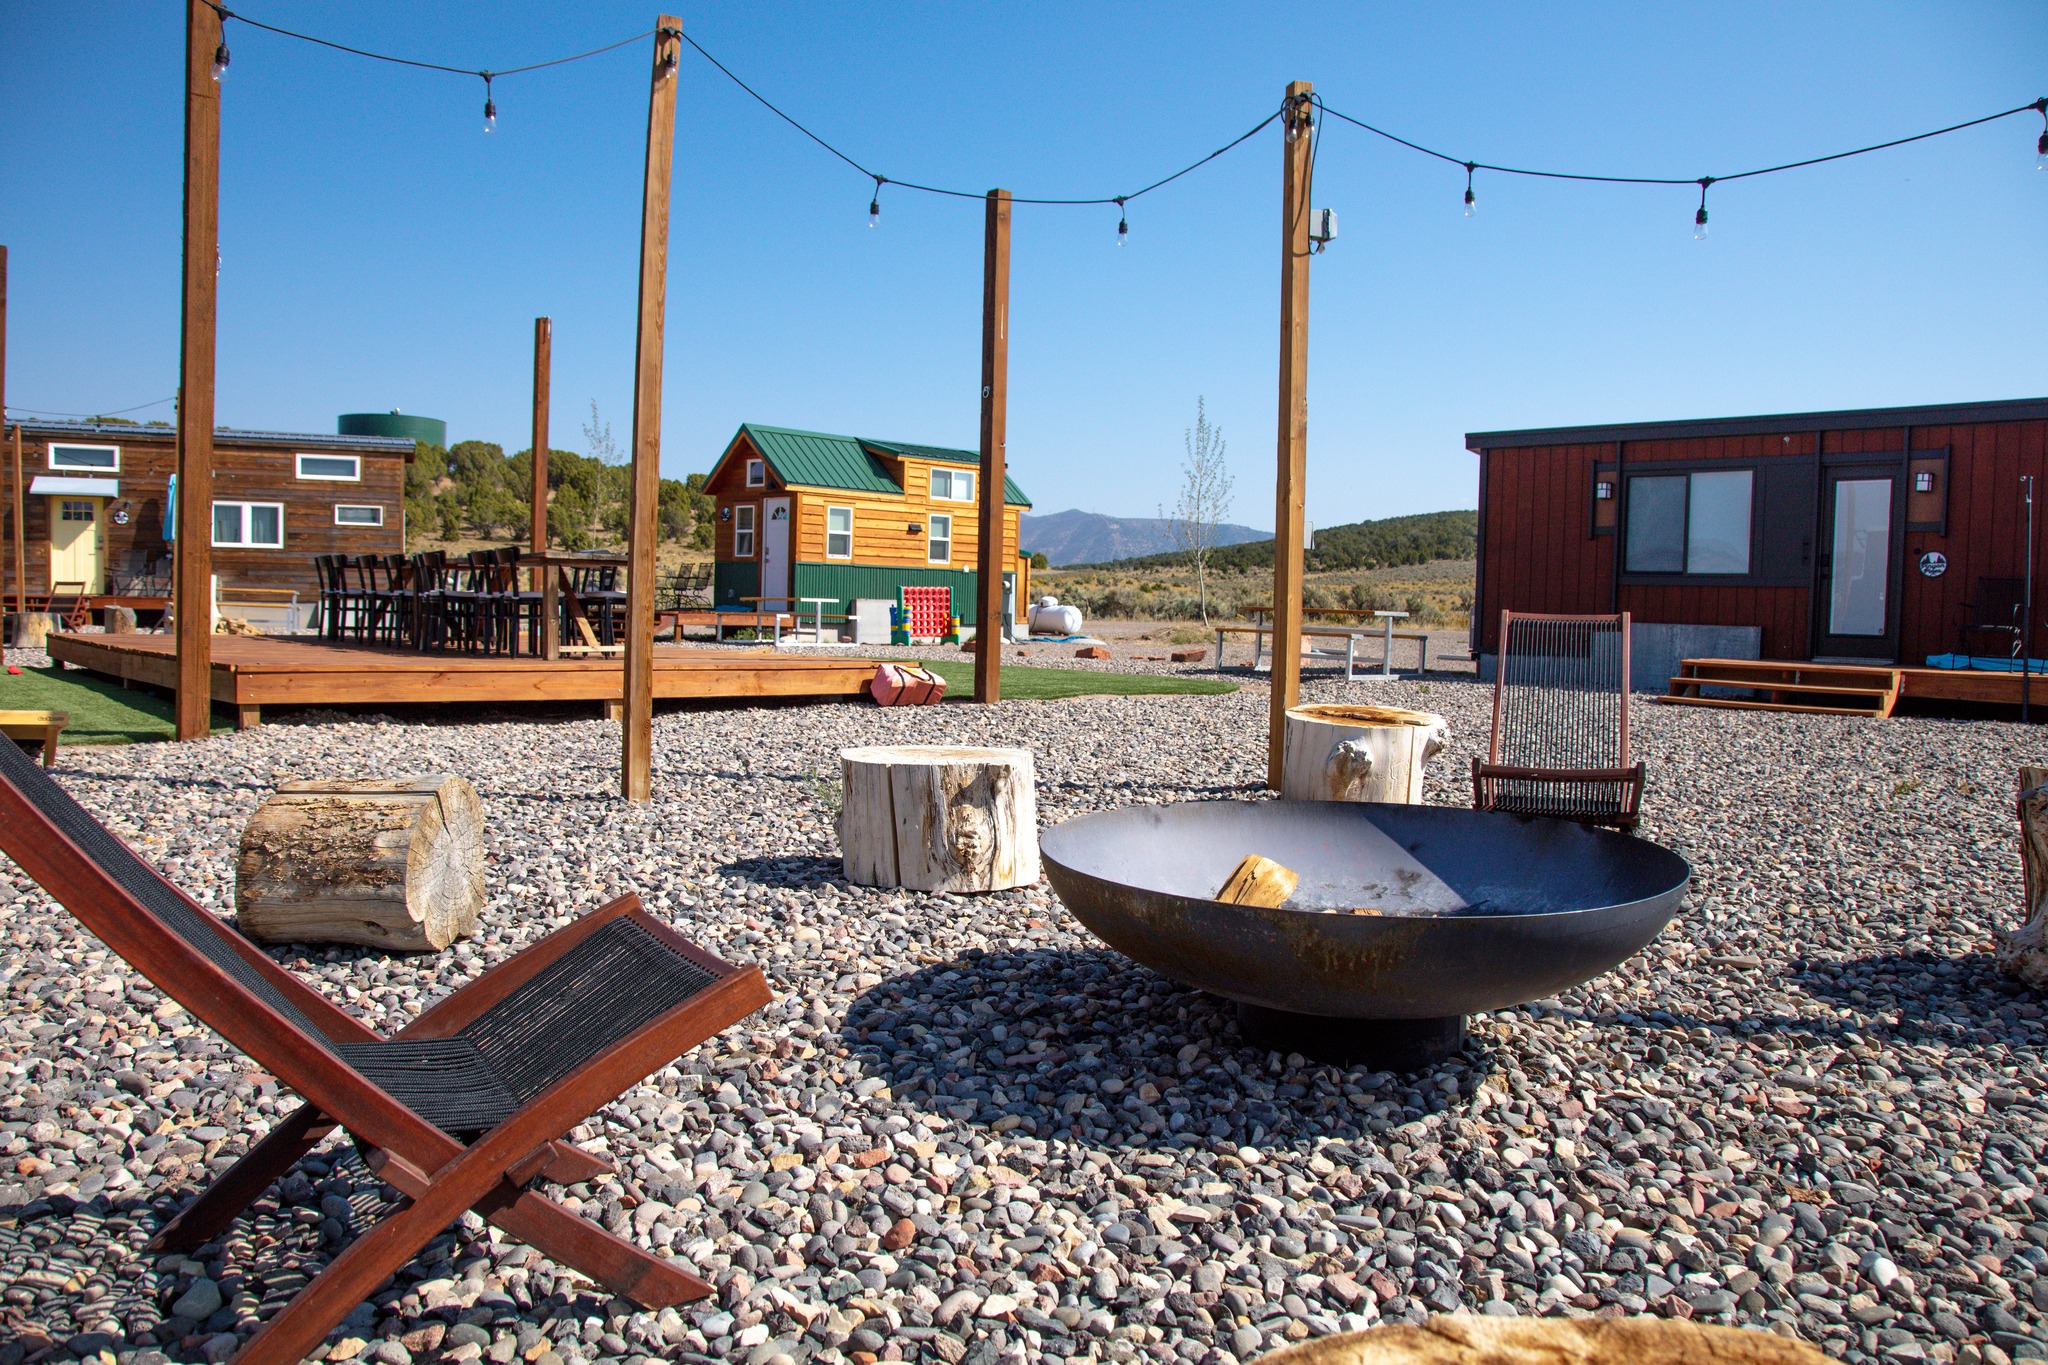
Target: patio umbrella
(171, 510)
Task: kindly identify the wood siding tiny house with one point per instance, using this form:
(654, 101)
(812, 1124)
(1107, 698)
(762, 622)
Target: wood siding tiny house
(1548, 544)
(249, 468)
(884, 554)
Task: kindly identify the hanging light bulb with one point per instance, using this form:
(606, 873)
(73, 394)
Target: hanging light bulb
(490, 109)
(875, 204)
(1123, 224)
(1699, 218)
(220, 60)
(2041, 152)
(1471, 200)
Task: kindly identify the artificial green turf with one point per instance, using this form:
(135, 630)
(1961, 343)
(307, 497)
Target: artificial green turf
(102, 711)
(1024, 683)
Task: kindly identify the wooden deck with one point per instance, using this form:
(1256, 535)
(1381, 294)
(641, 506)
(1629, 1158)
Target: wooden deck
(251, 672)
(1841, 689)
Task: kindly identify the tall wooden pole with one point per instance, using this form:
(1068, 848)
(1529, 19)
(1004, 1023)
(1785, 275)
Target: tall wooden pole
(636, 766)
(20, 532)
(995, 401)
(546, 579)
(195, 372)
(1288, 487)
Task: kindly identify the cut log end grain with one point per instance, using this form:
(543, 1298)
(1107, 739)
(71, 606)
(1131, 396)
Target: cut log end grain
(1479, 1339)
(1258, 881)
(390, 863)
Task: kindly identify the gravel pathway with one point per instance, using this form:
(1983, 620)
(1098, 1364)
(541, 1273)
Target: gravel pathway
(966, 1131)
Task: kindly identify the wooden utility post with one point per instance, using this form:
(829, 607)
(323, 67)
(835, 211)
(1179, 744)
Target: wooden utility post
(20, 532)
(1293, 463)
(547, 578)
(193, 589)
(636, 766)
(995, 398)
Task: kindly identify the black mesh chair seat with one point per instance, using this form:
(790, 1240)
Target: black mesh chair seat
(615, 982)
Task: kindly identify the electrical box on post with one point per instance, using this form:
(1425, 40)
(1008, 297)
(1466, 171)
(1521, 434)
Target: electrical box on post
(1322, 227)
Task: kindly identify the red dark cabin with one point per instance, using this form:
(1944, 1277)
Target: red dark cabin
(1854, 536)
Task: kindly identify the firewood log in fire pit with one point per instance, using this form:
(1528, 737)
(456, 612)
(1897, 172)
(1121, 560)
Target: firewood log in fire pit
(2023, 953)
(1478, 1339)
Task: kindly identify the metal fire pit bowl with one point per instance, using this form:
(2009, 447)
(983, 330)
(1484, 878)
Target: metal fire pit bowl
(1479, 911)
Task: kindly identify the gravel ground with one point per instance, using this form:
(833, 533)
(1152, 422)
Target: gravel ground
(967, 1131)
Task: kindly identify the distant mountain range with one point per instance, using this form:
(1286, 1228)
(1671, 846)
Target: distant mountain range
(1357, 545)
(1077, 537)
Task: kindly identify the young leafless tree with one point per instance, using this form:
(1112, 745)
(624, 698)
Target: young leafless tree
(1204, 499)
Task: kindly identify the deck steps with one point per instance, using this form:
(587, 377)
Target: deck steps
(1824, 689)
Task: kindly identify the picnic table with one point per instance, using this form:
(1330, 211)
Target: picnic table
(557, 593)
(1258, 630)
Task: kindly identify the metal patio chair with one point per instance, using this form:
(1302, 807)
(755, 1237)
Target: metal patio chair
(463, 1109)
(1559, 746)
(1995, 609)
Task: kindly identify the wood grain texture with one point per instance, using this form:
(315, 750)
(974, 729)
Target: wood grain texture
(995, 400)
(1360, 753)
(1260, 881)
(1290, 482)
(939, 818)
(636, 730)
(1478, 1339)
(194, 588)
(391, 863)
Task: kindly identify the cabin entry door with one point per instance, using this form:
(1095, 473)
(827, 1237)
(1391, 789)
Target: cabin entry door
(1856, 587)
(75, 536)
(775, 554)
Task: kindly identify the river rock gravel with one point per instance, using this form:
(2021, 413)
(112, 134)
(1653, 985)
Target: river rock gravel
(966, 1131)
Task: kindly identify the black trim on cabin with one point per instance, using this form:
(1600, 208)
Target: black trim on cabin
(1796, 423)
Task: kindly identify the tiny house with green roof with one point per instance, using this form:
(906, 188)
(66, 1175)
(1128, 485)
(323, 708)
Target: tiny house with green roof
(806, 514)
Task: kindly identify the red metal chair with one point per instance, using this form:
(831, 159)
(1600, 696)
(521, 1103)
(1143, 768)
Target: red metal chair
(1559, 746)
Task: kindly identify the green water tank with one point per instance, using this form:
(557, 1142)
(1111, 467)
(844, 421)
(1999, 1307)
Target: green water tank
(432, 430)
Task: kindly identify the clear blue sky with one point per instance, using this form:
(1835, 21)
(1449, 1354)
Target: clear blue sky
(378, 250)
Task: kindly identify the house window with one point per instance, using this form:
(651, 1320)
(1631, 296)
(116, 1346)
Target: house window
(75, 509)
(249, 525)
(331, 468)
(1697, 523)
(757, 473)
(939, 546)
(358, 514)
(839, 533)
(952, 485)
(743, 533)
(90, 459)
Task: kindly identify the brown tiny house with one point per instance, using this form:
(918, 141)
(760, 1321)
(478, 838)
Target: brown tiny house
(1877, 536)
(97, 492)
(805, 514)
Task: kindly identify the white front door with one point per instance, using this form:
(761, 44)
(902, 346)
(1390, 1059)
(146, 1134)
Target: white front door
(775, 552)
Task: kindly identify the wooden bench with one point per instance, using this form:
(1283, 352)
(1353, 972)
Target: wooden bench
(1351, 637)
(719, 621)
(35, 727)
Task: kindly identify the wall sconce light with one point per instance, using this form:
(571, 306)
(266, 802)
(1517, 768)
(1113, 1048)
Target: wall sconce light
(1603, 490)
(1923, 482)
(913, 528)
(725, 514)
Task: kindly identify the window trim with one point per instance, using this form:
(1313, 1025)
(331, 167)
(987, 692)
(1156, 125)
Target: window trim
(376, 507)
(1639, 469)
(299, 468)
(931, 538)
(744, 523)
(245, 543)
(757, 473)
(50, 458)
(829, 532)
(953, 478)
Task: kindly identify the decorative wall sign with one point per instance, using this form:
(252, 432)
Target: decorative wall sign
(120, 516)
(1933, 564)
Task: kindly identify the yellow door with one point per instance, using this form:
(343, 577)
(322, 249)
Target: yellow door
(75, 541)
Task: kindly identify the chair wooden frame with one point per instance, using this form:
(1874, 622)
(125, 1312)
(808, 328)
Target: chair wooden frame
(1507, 787)
(437, 1173)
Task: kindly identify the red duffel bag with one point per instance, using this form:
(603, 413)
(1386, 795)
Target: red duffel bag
(906, 685)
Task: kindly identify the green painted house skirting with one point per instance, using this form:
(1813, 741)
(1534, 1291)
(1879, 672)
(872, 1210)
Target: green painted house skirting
(734, 580)
(844, 582)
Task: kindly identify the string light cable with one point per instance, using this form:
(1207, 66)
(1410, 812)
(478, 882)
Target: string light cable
(2039, 106)
(91, 416)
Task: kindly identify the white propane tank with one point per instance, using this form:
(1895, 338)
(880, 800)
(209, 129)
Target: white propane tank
(1048, 617)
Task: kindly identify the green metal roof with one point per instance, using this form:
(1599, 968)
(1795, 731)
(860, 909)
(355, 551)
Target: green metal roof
(821, 460)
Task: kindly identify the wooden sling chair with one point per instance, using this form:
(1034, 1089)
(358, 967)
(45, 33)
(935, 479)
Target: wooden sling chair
(1560, 722)
(460, 1110)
